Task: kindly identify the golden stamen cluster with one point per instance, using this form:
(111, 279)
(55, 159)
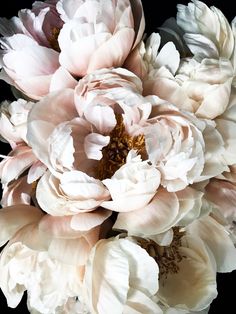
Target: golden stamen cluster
(115, 153)
(167, 257)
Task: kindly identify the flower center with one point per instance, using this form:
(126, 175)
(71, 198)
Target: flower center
(53, 40)
(167, 257)
(115, 153)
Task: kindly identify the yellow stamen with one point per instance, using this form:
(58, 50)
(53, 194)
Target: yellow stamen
(167, 257)
(115, 153)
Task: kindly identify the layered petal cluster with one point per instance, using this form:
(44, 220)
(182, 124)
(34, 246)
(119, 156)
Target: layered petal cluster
(51, 284)
(45, 250)
(20, 167)
(209, 33)
(98, 34)
(120, 187)
(196, 86)
(28, 57)
(77, 141)
(194, 82)
(44, 48)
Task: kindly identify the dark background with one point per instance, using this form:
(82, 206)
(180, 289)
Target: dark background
(156, 12)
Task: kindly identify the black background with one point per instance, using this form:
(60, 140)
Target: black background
(156, 12)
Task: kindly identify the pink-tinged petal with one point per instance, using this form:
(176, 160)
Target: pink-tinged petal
(15, 217)
(17, 192)
(74, 226)
(227, 130)
(113, 52)
(127, 204)
(75, 193)
(135, 62)
(33, 23)
(34, 87)
(87, 221)
(16, 163)
(31, 236)
(36, 171)
(139, 20)
(190, 203)
(101, 116)
(93, 145)
(76, 52)
(61, 79)
(74, 251)
(7, 130)
(223, 194)
(61, 148)
(58, 227)
(79, 186)
(69, 8)
(207, 109)
(157, 217)
(30, 61)
(45, 115)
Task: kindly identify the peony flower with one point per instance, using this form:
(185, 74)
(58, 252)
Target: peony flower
(195, 86)
(77, 144)
(48, 246)
(30, 57)
(209, 33)
(21, 159)
(118, 192)
(188, 277)
(39, 23)
(50, 283)
(101, 39)
(124, 279)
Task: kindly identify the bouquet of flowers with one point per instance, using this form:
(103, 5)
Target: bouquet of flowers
(119, 193)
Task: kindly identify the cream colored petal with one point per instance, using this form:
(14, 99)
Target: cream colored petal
(193, 287)
(109, 279)
(31, 236)
(13, 218)
(219, 242)
(87, 221)
(158, 216)
(139, 303)
(106, 279)
(70, 251)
